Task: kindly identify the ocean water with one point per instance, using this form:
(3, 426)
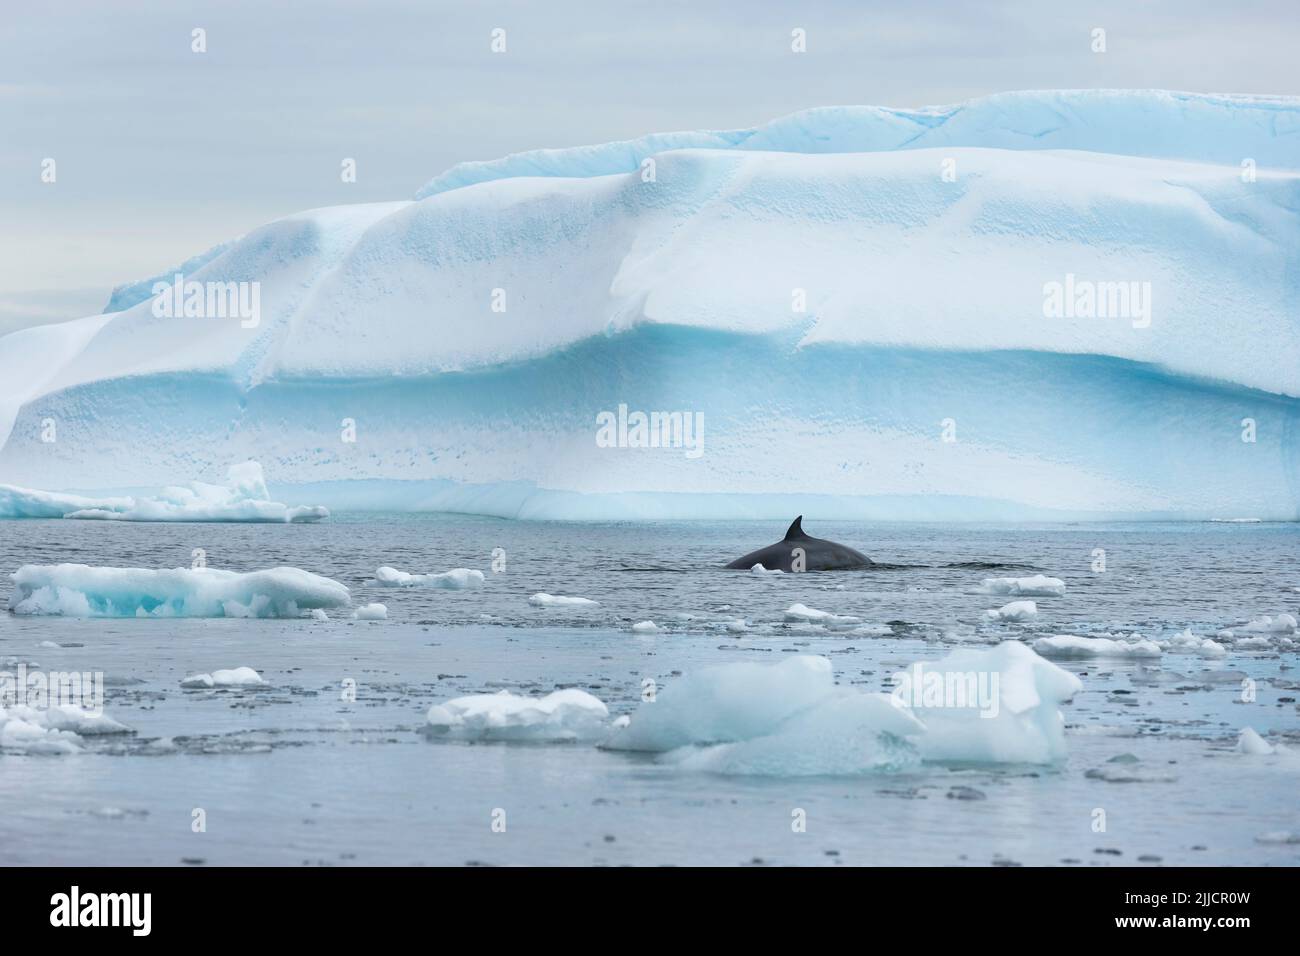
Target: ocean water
(293, 774)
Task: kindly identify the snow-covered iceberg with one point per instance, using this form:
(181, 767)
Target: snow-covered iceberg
(1000, 705)
(455, 579)
(827, 295)
(244, 497)
(79, 590)
(564, 715)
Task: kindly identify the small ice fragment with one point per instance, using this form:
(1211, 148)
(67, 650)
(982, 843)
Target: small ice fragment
(542, 599)
(1015, 611)
(235, 677)
(802, 613)
(1253, 744)
(646, 627)
(1036, 586)
(371, 612)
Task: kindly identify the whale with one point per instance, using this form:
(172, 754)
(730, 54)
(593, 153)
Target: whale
(817, 554)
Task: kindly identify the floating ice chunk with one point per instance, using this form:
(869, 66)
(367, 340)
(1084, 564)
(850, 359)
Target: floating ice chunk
(569, 714)
(243, 498)
(737, 626)
(801, 613)
(1037, 586)
(542, 599)
(237, 677)
(790, 718)
(1250, 742)
(1021, 720)
(318, 615)
(371, 612)
(1258, 643)
(727, 703)
(53, 730)
(1185, 642)
(1069, 646)
(1281, 624)
(79, 590)
(759, 569)
(1015, 611)
(646, 627)
(455, 579)
(873, 630)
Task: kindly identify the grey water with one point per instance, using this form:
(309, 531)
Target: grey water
(293, 773)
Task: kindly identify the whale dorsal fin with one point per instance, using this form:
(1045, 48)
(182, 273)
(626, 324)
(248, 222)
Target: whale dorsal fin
(796, 530)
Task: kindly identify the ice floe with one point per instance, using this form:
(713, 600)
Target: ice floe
(803, 614)
(1070, 646)
(79, 590)
(52, 730)
(1283, 624)
(1038, 585)
(997, 705)
(455, 579)
(244, 498)
(542, 599)
(235, 677)
(646, 627)
(564, 715)
(1185, 642)
(1015, 611)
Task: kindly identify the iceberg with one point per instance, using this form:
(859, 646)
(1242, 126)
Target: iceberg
(862, 298)
(243, 498)
(455, 579)
(790, 719)
(564, 715)
(79, 590)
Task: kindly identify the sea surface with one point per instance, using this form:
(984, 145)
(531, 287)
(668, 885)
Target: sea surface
(292, 773)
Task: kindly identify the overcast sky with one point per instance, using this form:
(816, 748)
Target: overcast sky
(162, 152)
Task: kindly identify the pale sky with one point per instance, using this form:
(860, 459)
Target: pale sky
(162, 152)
